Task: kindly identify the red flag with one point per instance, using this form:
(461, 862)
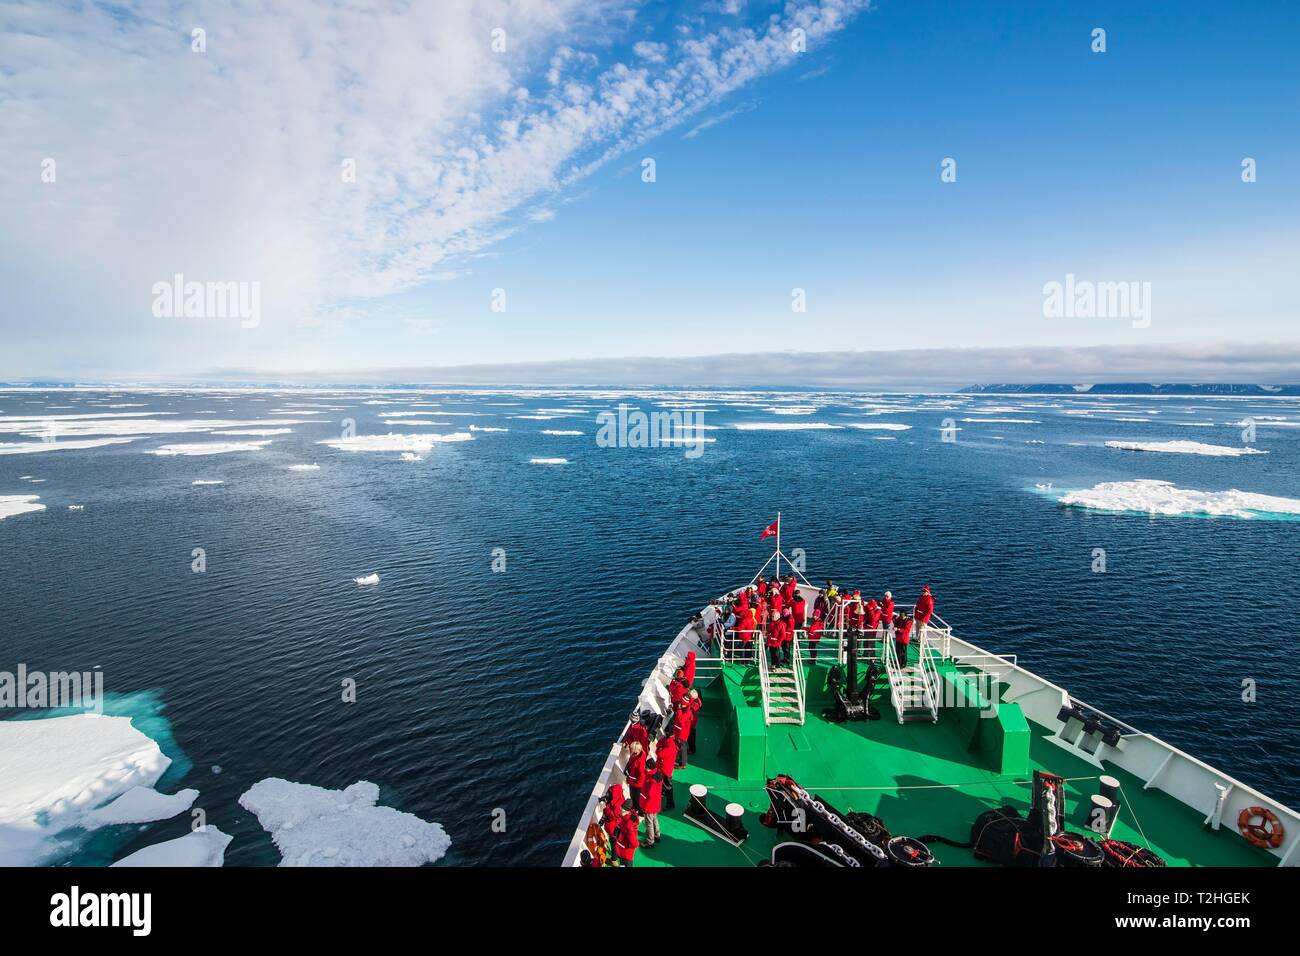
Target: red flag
(771, 530)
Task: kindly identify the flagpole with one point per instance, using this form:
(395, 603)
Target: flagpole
(778, 545)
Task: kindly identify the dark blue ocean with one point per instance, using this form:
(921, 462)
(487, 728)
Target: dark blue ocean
(479, 690)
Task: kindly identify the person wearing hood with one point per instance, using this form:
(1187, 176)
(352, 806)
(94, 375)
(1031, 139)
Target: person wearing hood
(677, 687)
(790, 590)
(688, 669)
(625, 838)
(636, 732)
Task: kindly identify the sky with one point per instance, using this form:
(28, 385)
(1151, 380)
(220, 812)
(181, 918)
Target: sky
(431, 185)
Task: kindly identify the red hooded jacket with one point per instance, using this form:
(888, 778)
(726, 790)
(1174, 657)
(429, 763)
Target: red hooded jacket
(800, 608)
(636, 772)
(924, 607)
(652, 793)
(625, 838)
(689, 668)
(666, 756)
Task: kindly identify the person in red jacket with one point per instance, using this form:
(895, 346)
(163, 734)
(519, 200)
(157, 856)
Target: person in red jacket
(790, 590)
(688, 669)
(742, 602)
(651, 801)
(666, 757)
(745, 627)
(762, 588)
(774, 639)
(814, 636)
(799, 608)
(787, 636)
(873, 621)
(822, 604)
(924, 609)
(902, 637)
(635, 771)
(693, 699)
(683, 720)
(775, 601)
(887, 609)
(677, 687)
(613, 808)
(625, 838)
(636, 732)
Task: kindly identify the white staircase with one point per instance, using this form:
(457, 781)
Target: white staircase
(913, 688)
(783, 688)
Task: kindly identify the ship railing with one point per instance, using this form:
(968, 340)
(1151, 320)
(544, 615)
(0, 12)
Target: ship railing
(796, 665)
(930, 674)
(736, 648)
(764, 681)
(895, 678)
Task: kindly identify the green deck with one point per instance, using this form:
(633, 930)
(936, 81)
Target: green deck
(920, 778)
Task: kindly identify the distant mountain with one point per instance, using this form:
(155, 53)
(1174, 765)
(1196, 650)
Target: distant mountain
(1130, 388)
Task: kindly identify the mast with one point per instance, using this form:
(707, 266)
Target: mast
(778, 545)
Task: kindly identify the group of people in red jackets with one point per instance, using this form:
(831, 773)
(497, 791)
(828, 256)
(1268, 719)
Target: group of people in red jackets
(772, 611)
(652, 755)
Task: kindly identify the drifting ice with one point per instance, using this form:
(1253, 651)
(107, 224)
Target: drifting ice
(312, 826)
(366, 580)
(1186, 448)
(1163, 498)
(205, 847)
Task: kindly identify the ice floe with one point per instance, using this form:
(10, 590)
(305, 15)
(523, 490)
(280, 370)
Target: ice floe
(559, 431)
(37, 447)
(411, 456)
(783, 426)
(140, 805)
(312, 826)
(879, 426)
(208, 481)
(394, 442)
(1003, 421)
(367, 580)
(304, 467)
(11, 505)
(481, 428)
(209, 448)
(1182, 447)
(203, 847)
(1149, 496)
(255, 432)
(55, 771)
(548, 461)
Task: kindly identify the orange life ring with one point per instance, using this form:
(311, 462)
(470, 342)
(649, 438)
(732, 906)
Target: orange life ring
(1268, 833)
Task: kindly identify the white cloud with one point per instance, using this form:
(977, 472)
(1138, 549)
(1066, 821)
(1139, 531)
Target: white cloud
(229, 164)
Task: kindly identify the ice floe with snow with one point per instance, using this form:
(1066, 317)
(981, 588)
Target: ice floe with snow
(54, 772)
(783, 426)
(559, 431)
(879, 426)
(367, 580)
(208, 448)
(1182, 447)
(140, 805)
(11, 505)
(203, 847)
(303, 467)
(208, 481)
(37, 447)
(1149, 496)
(548, 461)
(481, 428)
(312, 826)
(394, 441)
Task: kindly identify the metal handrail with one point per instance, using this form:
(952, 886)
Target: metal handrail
(796, 665)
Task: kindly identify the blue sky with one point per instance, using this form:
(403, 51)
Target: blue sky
(817, 170)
